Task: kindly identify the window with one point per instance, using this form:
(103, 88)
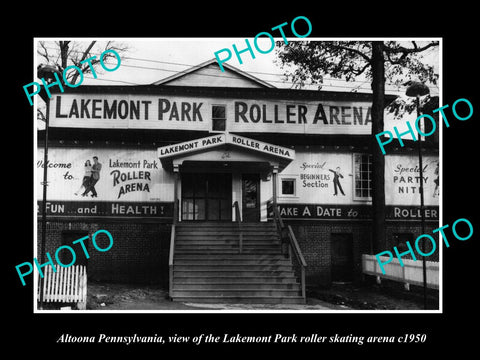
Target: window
(288, 187)
(219, 117)
(363, 176)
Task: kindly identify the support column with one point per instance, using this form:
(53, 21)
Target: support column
(175, 194)
(274, 186)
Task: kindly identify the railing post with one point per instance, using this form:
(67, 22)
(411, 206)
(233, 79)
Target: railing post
(274, 186)
(170, 261)
(280, 228)
(172, 235)
(238, 219)
(175, 195)
(293, 248)
(304, 293)
(240, 244)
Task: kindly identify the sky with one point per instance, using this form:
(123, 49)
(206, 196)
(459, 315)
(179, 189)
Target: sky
(148, 60)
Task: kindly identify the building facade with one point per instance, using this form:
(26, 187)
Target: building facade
(193, 144)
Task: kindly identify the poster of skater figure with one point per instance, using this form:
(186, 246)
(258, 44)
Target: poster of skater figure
(90, 177)
(337, 175)
(436, 192)
(96, 167)
(114, 175)
(86, 177)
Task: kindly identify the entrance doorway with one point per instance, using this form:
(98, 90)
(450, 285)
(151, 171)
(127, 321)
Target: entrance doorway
(342, 257)
(251, 197)
(207, 196)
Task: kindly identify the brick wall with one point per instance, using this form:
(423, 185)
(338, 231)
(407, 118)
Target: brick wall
(140, 250)
(139, 253)
(416, 230)
(315, 241)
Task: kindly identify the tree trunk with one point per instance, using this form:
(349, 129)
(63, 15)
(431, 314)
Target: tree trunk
(378, 171)
(64, 53)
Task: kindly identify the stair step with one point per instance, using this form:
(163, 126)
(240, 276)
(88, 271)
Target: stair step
(208, 248)
(202, 224)
(209, 268)
(233, 257)
(222, 273)
(241, 300)
(233, 237)
(236, 286)
(214, 232)
(236, 292)
(229, 278)
(200, 237)
(231, 261)
(226, 244)
(233, 226)
(219, 242)
(218, 251)
(232, 267)
(226, 229)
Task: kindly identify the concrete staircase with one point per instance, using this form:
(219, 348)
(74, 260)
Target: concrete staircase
(208, 268)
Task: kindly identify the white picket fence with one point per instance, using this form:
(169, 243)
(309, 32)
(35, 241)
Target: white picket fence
(65, 285)
(410, 273)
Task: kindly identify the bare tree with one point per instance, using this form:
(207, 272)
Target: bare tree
(67, 53)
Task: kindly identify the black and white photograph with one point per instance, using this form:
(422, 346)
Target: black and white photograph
(244, 184)
(274, 183)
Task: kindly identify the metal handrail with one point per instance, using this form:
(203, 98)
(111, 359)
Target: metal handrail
(300, 259)
(238, 219)
(296, 247)
(172, 249)
(170, 260)
(293, 244)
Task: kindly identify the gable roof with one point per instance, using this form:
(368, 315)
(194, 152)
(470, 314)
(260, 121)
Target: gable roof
(203, 74)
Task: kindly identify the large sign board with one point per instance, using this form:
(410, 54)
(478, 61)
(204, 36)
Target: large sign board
(173, 112)
(107, 209)
(402, 180)
(320, 177)
(292, 211)
(124, 175)
(222, 139)
(329, 177)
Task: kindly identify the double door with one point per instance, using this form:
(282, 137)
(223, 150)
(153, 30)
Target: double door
(207, 196)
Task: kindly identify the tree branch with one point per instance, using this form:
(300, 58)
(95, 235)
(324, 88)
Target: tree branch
(362, 70)
(45, 53)
(84, 56)
(87, 50)
(405, 50)
(358, 52)
(398, 61)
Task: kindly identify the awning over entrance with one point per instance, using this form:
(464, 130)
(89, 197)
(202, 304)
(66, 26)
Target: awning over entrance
(226, 148)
